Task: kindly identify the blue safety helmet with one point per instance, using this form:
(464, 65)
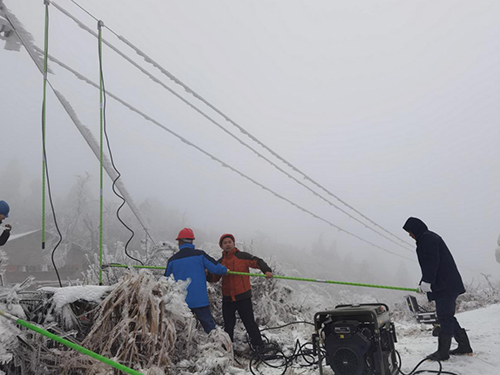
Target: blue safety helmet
(4, 208)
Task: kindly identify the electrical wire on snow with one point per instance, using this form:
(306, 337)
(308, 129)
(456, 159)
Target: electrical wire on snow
(189, 143)
(416, 371)
(272, 355)
(402, 243)
(271, 351)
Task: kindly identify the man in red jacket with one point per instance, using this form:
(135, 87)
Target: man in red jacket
(236, 289)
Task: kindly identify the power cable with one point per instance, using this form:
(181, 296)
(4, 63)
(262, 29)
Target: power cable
(71, 114)
(31, 49)
(227, 118)
(45, 167)
(43, 70)
(101, 153)
(416, 371)
(272, 352)
(186, 141)
(156, 80)
(103, 95)
(286, 325)
(44, 107)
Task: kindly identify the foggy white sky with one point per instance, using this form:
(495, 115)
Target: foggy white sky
(391, 105)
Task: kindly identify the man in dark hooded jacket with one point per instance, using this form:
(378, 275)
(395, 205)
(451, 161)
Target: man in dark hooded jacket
(442, 283)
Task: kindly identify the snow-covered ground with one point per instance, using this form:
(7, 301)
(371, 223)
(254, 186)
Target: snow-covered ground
(416, 341)
(483, 328)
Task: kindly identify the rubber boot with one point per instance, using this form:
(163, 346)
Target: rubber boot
(463, 343)
(443, 352)
(436, 330)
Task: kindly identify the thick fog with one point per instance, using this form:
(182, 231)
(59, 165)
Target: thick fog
(391, 106)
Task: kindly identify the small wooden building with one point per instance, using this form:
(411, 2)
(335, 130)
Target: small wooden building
(27, 258)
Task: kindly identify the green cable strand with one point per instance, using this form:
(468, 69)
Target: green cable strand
(99, 27)
(70, 344)
(326, 281)
(44, 113)
(115, 265)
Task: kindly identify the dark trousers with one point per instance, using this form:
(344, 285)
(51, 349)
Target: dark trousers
(245, 311)
(205, 317)
(445, 310)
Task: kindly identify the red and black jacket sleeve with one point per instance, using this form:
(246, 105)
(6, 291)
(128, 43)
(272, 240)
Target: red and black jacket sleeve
(253, 261)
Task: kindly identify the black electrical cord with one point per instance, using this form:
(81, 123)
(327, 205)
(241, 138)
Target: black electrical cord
(273, 352)
(414, 371)
(101, 74)
(54, 216)
(49, 190)
(270, 352)
(286, 325)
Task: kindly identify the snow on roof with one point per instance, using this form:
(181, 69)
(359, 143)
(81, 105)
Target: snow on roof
(70, 294)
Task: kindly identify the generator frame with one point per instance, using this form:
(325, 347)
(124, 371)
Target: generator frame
(374, 314)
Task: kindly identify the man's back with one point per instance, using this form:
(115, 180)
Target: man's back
(190, 263)
(438, 266)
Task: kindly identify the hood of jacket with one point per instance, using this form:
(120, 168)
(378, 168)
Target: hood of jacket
(415, 226)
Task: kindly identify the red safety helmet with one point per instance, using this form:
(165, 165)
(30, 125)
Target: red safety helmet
(225, 235)
(186, 233)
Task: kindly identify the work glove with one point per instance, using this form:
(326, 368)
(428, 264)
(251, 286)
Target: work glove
(424, 287)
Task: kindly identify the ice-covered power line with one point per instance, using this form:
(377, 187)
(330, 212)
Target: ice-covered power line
(186, 141)
(9, 26)
(42, 65)
(239, 127)
(35, 53)
(400, 243)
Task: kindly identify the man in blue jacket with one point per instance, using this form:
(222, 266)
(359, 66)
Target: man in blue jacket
(190, 263)
(4, 213)
(443, 284)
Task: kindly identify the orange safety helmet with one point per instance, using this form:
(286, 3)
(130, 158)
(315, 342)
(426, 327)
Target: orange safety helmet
(185, 233)
(226, 235)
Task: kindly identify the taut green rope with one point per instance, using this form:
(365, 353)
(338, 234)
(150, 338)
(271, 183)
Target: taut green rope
(116, 265)
(284, 278)
(70, 344)
(325, 281)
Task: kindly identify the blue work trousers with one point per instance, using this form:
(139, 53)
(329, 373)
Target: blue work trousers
(205, 317)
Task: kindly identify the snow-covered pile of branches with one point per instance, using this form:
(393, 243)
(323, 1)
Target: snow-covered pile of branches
(145, 324)
(478, 296)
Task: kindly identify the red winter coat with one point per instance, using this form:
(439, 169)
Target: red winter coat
(237, 287)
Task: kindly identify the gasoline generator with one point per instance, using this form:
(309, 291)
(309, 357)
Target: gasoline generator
(356, 340)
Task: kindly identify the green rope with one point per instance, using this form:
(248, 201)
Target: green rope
(116, 265)
(70, 344)
(99, 26)
(325, 281)
(44, 105)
